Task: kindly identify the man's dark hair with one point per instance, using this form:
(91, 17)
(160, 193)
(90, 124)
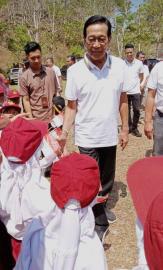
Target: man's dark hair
(31, 47)
(72, 57)
(129, 46)
(96, 19)
(139, 53)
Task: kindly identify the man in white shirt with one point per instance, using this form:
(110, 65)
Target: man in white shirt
(50, 63)
(154, 128)
(71, 60)
(141, 56)
(134, 72)
(96, 94)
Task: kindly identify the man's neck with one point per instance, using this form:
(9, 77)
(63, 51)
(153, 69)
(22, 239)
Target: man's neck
(36, 71)
(100, 62)
(130, 61)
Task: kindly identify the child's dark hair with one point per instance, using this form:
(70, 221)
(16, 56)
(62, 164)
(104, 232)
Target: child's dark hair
(59, 103)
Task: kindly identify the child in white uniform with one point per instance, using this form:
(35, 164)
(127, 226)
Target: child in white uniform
(24, 192)
(64, 238)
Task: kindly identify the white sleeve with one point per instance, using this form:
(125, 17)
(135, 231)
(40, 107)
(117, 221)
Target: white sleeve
(49, 155)
(152, 81)
(142, 263)
(146, 71)
(71, 88)
(141, 70)
(57, 71)
(66, 253)
(125, 79)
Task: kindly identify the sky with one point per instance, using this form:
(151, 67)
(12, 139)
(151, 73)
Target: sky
(136, 3)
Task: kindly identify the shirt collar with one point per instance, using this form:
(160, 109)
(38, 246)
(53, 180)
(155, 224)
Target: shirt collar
(91, 66)
(42, 70)
(130, 63)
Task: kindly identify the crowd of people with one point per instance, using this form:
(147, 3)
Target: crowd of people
(55, 224)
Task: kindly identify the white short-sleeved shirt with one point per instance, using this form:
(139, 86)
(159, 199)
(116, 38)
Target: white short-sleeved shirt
(57, 70)
(155, 82)
(132, 71)
(97, 92)
(146, 71)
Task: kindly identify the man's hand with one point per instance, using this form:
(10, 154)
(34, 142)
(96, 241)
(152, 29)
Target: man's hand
(148, 129)
(7, 115)
(123, 138)
(62, 140)
(23, 115)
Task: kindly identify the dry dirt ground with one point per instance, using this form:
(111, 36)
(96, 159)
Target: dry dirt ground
(121, 249)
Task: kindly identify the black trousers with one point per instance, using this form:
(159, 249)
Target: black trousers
(134, 104)
(106, 158)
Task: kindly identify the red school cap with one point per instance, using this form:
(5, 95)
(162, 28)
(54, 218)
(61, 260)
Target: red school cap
(13, 94)
(21, 138)
(75, 177)
(145, 182)
(8, 104)
(153, 234)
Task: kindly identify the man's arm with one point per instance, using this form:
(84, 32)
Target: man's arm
(148, 126)
(143, 83)
(69, 119)
(57, 85)
(141, 77)
(60, 82)
(123, 109)
(27, 106)
(25, 96)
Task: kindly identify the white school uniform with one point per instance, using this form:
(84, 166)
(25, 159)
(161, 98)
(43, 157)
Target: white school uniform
(63, 239)
(142, 263)
(24, 192)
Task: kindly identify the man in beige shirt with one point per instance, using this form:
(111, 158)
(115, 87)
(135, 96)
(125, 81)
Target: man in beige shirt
(38, 85)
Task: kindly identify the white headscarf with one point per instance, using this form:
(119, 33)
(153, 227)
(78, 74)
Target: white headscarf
(63, 239)
(24, 192)
(142, 263)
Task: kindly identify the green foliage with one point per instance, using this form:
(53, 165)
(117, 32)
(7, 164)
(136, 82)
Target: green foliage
(3, 28)
(18, 38)
(77, 50)
(3, 3)
(60, 24)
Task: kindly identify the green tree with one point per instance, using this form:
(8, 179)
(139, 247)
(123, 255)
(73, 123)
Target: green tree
(17, 40)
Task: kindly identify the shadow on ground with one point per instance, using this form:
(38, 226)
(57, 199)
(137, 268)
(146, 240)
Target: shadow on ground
(119, 189)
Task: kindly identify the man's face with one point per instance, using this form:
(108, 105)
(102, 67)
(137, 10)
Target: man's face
(12, 111)
(129, 52)
(97, 41)
(49, 63)
(141, 57)
(69, 61)
(14, 100)
(34, 59)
